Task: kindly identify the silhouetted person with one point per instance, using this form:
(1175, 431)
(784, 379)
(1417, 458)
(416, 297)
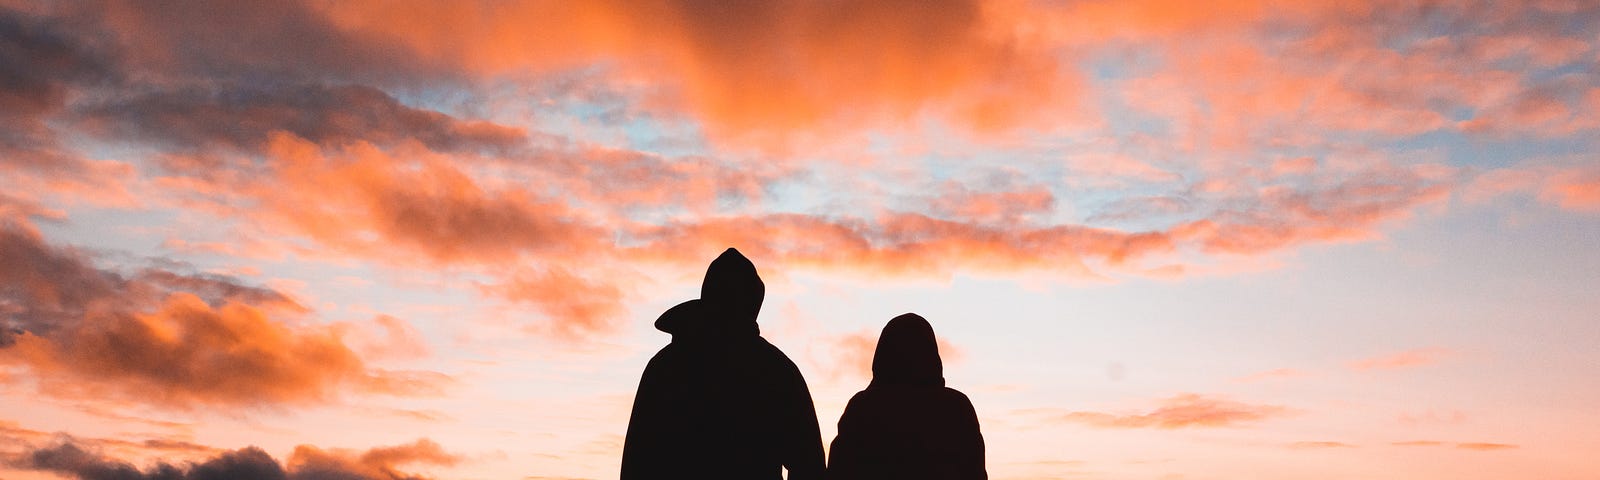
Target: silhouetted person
(907, 424)
(719, 402)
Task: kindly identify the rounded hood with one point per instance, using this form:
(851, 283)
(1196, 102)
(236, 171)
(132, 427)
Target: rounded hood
(907, 354)
(732, 292)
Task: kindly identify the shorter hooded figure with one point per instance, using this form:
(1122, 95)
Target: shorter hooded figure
(719, 402)
(907, 424)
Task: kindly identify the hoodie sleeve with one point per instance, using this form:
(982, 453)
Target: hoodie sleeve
(971, 460)
(642, 449)
(844, 459)
(802, 452)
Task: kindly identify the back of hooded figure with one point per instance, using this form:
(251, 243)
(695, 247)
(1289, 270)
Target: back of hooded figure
(907, 424)
(719, 401)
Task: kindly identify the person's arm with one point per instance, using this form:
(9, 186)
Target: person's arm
(646, 435)
(802, 452)
(844, 458)
(972, 456)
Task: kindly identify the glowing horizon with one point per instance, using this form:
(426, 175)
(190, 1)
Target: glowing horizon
(1328, 240)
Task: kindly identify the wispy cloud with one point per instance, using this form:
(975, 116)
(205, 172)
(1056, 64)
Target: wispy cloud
(850, 355)
(1483, 446)
(1400, 360)
(1478, 446)
(1319, 445)
(1187, 410)
(1274, 374)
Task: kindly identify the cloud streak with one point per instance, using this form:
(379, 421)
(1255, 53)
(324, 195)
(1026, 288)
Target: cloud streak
(251, 463)
(1186, 410)
(1475, 446)
(1406, 359)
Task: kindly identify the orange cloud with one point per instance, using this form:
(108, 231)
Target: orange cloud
(189, 354)
(416, 208)
(388, 337)
(621, 180)
(1181, 411)
(167, 339)
(296, 139)
(72, 459)
(1574, 190)
(1319, 445)
(755, 69)
(1406, 359)
(906, 243)
(12, 434)
(792, 70)
(378, 463)
(1480, 446)
(577, 304)
(422, 210)
(409, 206)
(413, 207)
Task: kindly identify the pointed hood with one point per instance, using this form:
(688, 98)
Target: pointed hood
(732, 293)
(684, 318)
(907, 354)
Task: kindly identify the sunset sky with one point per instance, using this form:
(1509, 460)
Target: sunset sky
(1157, 240)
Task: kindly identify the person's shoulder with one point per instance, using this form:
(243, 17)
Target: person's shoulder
(954, 396)
(670, 354)
(867, 396)
(668, 350)
(766, 356)
(766, 348)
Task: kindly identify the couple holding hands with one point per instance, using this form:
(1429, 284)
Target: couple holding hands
(719, 402)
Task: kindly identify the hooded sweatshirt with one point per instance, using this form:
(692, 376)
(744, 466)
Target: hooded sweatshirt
(907, 424)
(719, 401)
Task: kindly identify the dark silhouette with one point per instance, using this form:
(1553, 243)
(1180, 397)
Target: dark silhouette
(719, 401)
(907, 424)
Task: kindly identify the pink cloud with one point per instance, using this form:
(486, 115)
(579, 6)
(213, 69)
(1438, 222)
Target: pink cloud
(1345, 210)
(1181, 411)
(1400, 360)
(1477, 446)
(1319, 445)
(1009, 206)
(1274, 374)
(1574, 190)
(850, 355)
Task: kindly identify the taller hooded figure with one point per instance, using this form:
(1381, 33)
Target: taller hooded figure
(719, 402)
(907, 424)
